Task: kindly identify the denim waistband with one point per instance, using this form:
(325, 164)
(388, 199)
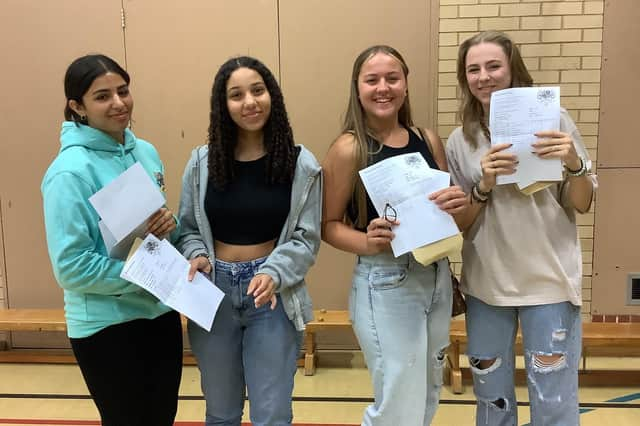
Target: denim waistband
(386, 258)
(235, 267)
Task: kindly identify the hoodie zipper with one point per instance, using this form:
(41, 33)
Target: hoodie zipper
(303, 200)
(294, 297)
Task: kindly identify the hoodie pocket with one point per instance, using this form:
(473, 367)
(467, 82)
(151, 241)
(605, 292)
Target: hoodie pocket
(101, 308)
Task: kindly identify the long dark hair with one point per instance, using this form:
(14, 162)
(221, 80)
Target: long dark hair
(223, 131)
(355, 123)
(471, 112)
(81, 74)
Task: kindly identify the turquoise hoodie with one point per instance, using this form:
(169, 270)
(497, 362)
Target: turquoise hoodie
(95, 296)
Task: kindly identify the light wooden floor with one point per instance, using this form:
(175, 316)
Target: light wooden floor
(56, 395)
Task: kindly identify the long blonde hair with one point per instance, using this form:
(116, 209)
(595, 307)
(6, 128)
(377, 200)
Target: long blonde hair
(471, 113)
(355, 124)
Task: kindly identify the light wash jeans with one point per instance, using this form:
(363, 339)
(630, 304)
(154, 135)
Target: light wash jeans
(246, 346)
(401, 318)
(553, 329)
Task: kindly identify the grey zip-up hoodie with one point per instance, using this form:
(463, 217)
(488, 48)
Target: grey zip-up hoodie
(297, 246)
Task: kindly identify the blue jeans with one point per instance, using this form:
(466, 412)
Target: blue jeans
(401, 318)
(247, 349)
(553, 329)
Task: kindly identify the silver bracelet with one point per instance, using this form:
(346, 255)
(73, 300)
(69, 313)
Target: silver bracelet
(479, 196)
(580, 172)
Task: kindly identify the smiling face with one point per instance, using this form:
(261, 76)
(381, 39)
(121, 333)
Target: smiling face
(107, 105)
(248, 100)
(488, 70)
(382, 87)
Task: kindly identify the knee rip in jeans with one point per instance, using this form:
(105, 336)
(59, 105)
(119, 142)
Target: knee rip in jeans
(484, 366)
(440, 356)
(559, 335)
(547, 362)
(500, 404)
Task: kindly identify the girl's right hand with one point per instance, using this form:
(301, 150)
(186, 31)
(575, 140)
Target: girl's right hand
(200, 263)
(379, 235)
(496, 162)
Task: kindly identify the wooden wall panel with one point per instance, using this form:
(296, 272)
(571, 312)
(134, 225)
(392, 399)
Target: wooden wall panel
(38, 40)
(615, 251)
(174, 51)
(319, 41)
(620, 86)
(615, 240)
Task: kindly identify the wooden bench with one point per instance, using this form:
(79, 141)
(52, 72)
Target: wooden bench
(594, 334)
(323, 320)
(32, 320)
(51, 320)
(46, 320)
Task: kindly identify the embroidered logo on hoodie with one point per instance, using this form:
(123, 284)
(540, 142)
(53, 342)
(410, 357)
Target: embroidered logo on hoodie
(160, 180)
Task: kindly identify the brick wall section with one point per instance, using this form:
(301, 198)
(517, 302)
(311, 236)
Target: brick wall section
(561, 42)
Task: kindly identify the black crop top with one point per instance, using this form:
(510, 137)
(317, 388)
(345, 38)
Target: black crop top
(249, 210)
(415, 144)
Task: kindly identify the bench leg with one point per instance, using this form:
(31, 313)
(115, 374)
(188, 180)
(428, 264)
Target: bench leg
(455, 375)
(310, 353)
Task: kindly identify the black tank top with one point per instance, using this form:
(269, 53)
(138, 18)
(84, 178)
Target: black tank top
(415, 144)
(249, 210)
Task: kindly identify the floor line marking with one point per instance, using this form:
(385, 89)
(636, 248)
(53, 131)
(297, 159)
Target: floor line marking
(610, 403)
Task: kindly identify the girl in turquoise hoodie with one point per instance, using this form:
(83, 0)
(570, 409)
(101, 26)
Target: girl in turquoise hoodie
(127, 343)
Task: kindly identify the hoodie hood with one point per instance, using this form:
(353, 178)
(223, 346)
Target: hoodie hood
(73, 134)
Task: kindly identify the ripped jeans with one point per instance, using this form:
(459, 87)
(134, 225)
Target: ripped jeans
(401, 318)
(552, 341)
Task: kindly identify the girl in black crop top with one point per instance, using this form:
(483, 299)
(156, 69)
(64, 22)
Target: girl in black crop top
(382, 152)
(401, 325)
(255, 205)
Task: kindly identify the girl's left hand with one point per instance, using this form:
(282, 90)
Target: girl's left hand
(554, 144)
(262, 288)
(452, 200)
(161, 223)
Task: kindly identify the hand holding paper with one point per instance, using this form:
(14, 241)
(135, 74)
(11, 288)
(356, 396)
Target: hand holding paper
(451, 199)
(516, 115)
(380, 233)
(403, 184)
(161, 223)
(199, 263)
(125, 205)
(556, 144)
(497, 162)
(160, 269)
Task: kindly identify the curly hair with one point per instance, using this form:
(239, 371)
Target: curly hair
(223, 131)
(471, 112)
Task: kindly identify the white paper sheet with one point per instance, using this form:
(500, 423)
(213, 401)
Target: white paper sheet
(515, 115)
(160, 269)
(405, 182)
(125, 205)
